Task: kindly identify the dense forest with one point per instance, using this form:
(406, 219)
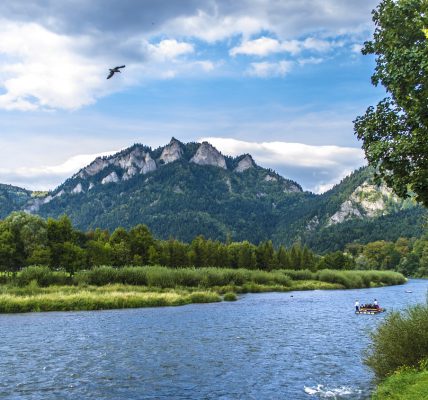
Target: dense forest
(27, 239)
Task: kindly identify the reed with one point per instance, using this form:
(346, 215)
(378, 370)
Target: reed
(92, 300)
(163, 277)
(360, 279)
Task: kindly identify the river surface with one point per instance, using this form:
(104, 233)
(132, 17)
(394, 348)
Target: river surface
(295, 345)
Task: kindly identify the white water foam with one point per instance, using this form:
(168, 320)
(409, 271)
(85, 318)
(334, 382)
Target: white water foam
(330, 393)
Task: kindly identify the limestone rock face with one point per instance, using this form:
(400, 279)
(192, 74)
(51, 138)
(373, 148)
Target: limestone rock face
(208, 155)
(149, 164)
(133, 162)
(77, 189)
(347, 211)
(367, 200)
(137, 161)
(172, 152)
(34, 204)
(112, 177)
(246, 163)
(270, 178)
(134, 158)
(292, 189)
(92, 169)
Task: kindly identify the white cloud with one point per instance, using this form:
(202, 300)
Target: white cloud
(258, 47)
(318, 45)
(43, 69)
(265, 46)
(212, 27)
(310, 60)
(270, 69)
(47, 176)
(356, 48)
(205, 65)
(169, 49)
(219, 20)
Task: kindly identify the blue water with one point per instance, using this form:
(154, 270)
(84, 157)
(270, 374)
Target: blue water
(296, 345)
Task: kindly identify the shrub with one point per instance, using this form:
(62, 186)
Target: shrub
(42, 275)
(299, 275)
(401, 340)
(230, 296)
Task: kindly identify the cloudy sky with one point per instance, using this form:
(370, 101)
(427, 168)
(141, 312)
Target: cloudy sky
(280, 79)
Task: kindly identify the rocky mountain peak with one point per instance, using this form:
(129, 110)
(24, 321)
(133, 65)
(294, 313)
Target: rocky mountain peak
(245, 163)
(136, 159)
(208, 155)
(172, 151)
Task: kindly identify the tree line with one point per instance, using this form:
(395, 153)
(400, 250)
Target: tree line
(27, 239)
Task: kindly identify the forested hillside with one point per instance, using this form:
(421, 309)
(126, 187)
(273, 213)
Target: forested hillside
(184, 190)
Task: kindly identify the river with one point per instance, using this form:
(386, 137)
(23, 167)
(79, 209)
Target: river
(295, 345)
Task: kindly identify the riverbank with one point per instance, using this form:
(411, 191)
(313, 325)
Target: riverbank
(40, 289)
(404, 385)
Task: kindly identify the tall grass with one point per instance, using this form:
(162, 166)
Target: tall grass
(163, 277)
(44, 276)
(93, 300)
(360, 279)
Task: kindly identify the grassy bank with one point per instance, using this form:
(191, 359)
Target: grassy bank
(41, 289)
(398, 354)
(404, 385)
(60, 298)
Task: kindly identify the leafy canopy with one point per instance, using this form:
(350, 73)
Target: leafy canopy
(395, 132)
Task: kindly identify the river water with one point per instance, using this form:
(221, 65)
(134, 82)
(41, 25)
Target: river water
(295, 345)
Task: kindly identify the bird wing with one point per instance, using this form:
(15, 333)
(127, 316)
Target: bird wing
(122, 66)
(110, 74)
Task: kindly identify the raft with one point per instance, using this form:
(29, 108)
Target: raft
(370, 311)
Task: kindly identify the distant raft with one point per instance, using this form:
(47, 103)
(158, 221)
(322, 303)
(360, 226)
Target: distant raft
(370, 311)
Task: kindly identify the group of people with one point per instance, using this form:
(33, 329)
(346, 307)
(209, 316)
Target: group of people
(373, 305)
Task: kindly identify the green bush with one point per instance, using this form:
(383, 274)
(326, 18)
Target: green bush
(230, 296)
(401, 340)
(299, 275)
(44, 276)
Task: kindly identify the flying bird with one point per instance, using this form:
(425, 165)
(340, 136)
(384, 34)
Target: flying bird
(113, 70)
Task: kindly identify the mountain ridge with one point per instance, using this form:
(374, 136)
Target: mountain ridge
(183, 190)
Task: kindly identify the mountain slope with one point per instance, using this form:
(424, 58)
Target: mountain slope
(12, 198)
(178, 190)
(356, 209)
(183, 190)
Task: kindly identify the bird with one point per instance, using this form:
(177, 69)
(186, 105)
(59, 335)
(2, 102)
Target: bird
(113, 70)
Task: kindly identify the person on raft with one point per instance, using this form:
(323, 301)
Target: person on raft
(357, 305)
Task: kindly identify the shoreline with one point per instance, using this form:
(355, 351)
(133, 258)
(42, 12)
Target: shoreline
(33, 298)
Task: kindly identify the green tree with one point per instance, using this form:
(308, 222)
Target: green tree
(283, 258)
(395, 133)
(73, 258)
(98, 253)
(247, 256)
(120, 247)
(140, 240)
(295, 255)
(7, 250)
(336, 260)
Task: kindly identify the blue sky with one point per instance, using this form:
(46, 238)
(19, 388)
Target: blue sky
(282, 80)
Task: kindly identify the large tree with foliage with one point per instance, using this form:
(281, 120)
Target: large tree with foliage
(395, 132)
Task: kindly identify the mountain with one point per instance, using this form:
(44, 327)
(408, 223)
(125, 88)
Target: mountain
(179, 190)
(183, 190)
(355, 210)
(12, 198)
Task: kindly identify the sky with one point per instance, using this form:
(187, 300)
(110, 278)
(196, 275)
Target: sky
(279, 79)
